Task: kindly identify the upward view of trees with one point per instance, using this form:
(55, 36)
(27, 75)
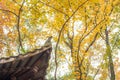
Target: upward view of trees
(86, 35)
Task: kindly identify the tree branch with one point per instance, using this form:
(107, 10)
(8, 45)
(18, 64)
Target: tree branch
(9, 12)
(60, 36)
(108, 51)
(96, 73)
(81, 39)
(16, 2)
(18, 28)
(92, 42)
(72, 39)
(54, 8)
(70, 5)
(2, 42)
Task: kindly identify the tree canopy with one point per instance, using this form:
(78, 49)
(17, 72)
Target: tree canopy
(85, 35)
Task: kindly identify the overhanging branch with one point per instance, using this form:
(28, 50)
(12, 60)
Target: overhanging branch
(54, 8)
(9, 12)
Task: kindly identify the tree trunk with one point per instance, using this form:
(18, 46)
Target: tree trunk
(108, 51)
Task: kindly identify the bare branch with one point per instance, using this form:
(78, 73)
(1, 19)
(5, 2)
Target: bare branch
(92, 42)
(54, 8)
(101, 36)
(82, 38)
(18, 28)
(68, 44)
(72, 41)
(111, 9)
(86, 27)
(96, 73)
(9, 12)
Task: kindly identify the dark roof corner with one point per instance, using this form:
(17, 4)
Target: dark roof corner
(31, 66)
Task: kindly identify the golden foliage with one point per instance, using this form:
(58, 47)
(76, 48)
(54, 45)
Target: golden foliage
(40, 19)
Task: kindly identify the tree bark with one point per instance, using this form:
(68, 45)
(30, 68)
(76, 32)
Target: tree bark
(108, 51)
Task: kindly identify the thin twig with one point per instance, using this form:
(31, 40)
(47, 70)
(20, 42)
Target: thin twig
(70, 5)
(54, 8)
(16, 2)
(90, 31)
(87, 69)
(101, 36)
(72, 41)
(9, 12)
(96, 73)
(92, 42)
(116, 39)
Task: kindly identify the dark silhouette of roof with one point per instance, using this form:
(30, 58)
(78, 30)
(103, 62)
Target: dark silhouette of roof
(31, 66)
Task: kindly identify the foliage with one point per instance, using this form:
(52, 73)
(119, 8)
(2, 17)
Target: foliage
(78, 30)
